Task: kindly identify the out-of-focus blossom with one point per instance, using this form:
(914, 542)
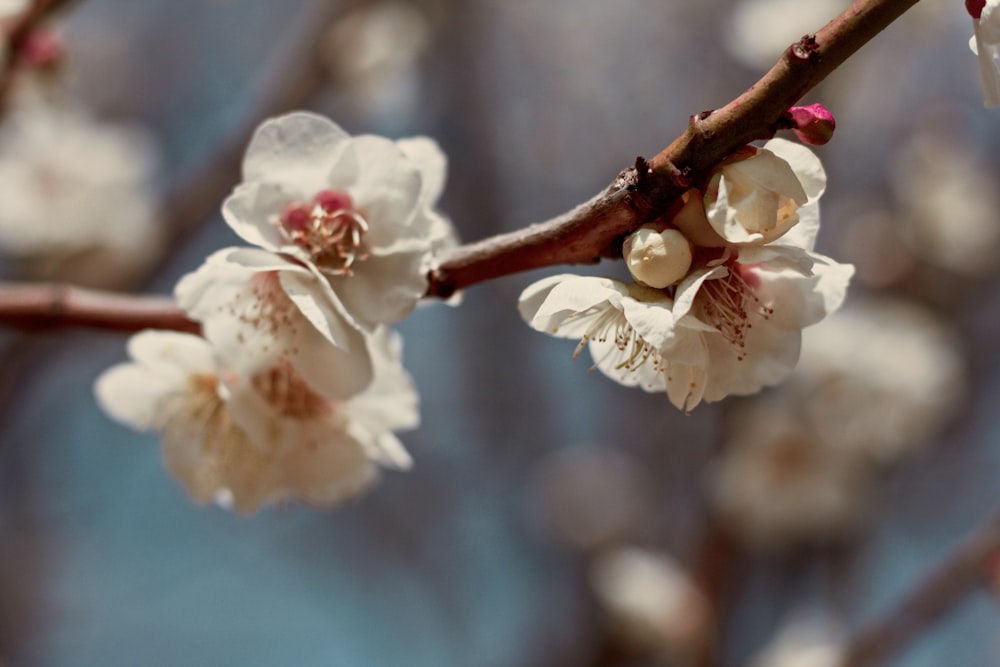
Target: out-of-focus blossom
(880, 377)
(373, 52)
(356, 210)
(246, 439)
(985, 43)
(589, 496)
(809, 639)
(629, 329)
(651, 602)
(777, 484)
(949, 204)
(759, 30)
(78, 196)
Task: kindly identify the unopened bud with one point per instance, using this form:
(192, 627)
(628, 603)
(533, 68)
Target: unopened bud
(813, 125)
(657, 258)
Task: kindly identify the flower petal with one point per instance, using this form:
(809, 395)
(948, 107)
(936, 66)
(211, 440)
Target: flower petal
(294, 149)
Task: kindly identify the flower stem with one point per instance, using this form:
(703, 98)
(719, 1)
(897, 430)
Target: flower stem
(39, 307)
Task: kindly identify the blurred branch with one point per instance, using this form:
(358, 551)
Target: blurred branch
(962, 571)
(647, 191)
(40, 307)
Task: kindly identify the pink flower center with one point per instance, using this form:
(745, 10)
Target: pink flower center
(729, 302)
(329, 229)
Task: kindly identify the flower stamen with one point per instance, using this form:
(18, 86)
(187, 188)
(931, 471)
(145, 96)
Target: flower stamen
(329, 229)
(728, 303)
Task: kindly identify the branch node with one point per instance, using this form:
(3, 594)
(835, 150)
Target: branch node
(805, 50)
(641, 169)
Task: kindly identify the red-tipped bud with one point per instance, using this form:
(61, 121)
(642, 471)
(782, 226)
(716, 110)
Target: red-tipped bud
(975, 7)
(813, 125)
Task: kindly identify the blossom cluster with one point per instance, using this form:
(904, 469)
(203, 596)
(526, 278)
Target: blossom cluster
(721, 290)
(295, 387)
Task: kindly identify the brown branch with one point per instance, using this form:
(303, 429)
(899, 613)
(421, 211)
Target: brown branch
(595, 229)
(965, 569)
(41, 307)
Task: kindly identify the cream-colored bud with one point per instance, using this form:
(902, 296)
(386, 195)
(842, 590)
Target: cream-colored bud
(657, 258)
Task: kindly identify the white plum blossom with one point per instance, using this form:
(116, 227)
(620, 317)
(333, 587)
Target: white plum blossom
(629, 329)
(750, 306)
(732, 326)
(251, 307)
(78, 196)
(357, 210)
(244, 438)
(757, 199)
(985, 43)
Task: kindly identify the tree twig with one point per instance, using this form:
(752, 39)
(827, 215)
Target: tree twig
(39, 307)
(941, 589)
(647, 191)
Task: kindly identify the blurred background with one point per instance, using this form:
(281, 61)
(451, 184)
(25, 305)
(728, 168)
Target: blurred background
(553, 518)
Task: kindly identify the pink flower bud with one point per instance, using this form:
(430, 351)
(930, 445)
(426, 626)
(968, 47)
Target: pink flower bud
(813, 125)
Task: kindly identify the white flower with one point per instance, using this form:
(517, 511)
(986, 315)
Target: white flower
(985, 43)
(629, 329)
(249, 439)
(76, 195)
(750, 306)
(777, 483)
(357, 210)
(758, 199)
(651, 601)
(256, 306)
